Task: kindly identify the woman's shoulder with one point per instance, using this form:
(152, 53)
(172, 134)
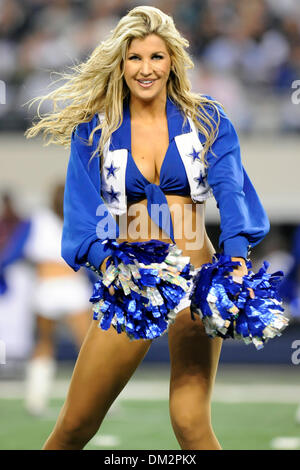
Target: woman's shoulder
(213, 118)
(84, 129)
(212, 106)
(80, 138)
(213, 110)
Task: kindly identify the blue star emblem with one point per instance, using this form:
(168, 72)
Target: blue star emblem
(200, 179)
(111, 170)
(113, 195)
(194, 155)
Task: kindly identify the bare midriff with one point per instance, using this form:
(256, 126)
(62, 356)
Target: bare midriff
(188, 220)
(188, 217)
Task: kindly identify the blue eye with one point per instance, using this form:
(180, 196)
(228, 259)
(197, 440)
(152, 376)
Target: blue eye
(157, 56)
(133, 57)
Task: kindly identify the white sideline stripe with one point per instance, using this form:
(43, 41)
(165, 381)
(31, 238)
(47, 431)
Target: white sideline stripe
(105, 440)
(285, 443)
(159, 390)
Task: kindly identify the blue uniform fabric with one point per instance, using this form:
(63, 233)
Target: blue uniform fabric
(173, 179)
(243, 219)
(244, 222)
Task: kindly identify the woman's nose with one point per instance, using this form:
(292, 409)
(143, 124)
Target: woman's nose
(145, 68)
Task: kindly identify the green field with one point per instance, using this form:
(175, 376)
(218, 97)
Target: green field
(146, 425)
(252, 408)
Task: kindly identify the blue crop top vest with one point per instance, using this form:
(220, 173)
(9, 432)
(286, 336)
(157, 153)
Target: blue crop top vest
(243, 220)
(172, 180)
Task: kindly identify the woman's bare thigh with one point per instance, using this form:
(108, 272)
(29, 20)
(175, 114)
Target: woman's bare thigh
(194, 359)
(105, 363)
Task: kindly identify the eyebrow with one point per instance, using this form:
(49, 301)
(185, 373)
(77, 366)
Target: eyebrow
(157, 52)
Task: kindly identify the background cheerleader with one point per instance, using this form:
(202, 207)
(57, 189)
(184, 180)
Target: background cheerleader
(58, 294)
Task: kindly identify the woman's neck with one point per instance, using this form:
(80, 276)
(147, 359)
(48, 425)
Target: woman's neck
(147, 111)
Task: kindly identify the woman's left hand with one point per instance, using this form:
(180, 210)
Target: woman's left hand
(240, 271)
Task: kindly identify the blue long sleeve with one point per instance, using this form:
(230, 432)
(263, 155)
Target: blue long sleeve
(86, 218)
(244, 222)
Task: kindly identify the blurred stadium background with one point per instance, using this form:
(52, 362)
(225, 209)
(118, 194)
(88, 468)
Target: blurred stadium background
(246, 55)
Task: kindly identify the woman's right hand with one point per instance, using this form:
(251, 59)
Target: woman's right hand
(111, 289)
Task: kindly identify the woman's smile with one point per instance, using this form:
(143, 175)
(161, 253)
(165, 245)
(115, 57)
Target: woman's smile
(146, 83)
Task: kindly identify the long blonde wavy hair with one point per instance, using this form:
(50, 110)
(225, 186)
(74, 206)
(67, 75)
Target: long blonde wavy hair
(97, 85)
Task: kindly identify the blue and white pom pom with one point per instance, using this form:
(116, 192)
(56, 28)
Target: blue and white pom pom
(213, 296)
(226, 308)
(261, 318)
(149, 278)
